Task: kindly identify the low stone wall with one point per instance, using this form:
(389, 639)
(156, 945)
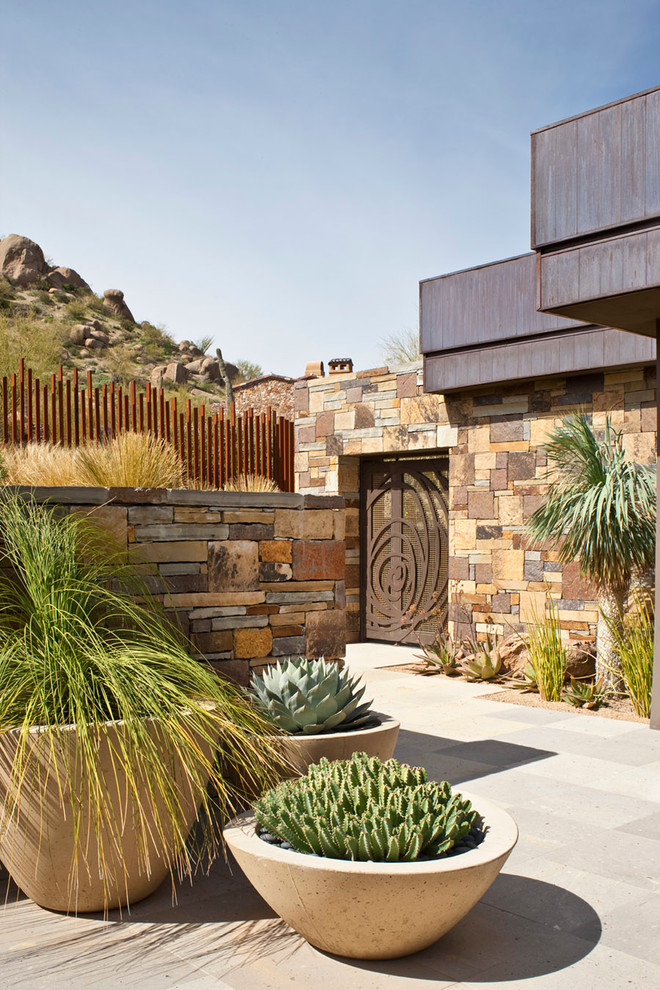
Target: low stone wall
(252, 577)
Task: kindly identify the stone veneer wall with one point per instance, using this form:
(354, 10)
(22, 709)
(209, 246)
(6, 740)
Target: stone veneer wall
(272, 391)
(496, 475)
(251, 577)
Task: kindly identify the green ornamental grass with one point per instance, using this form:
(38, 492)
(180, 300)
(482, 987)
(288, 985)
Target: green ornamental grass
(78, 648)
(547, 655)
(634, 643)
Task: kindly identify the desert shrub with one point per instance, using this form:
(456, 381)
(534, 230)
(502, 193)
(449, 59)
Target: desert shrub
(42, 338)
(6, 293)
(247, 370)
(76, 309)
(401, 348)
(156, 341)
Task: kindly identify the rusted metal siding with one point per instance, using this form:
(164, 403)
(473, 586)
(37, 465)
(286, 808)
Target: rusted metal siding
(597, 172)
(596, 277)
(483, 305)
(571, 352)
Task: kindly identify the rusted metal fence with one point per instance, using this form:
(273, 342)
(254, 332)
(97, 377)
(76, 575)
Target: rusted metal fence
(213, 447)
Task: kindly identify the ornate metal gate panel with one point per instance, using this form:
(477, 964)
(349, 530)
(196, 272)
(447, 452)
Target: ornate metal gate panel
(404, 547)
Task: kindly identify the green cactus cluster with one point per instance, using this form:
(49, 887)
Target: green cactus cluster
(310, 697)
(366, 809)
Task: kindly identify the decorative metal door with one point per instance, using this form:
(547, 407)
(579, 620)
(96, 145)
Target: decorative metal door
(404, 547)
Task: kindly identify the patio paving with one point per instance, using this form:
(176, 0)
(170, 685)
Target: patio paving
(577, 906)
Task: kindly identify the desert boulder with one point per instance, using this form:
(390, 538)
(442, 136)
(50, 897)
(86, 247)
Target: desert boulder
(22, 260)
(114, 302)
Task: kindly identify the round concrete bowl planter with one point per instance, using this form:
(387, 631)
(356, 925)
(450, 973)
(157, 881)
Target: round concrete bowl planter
(372, 910)
(39, 846)
(300, 751)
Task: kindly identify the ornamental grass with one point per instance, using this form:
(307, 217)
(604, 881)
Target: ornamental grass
(77, 648)
(547, 655)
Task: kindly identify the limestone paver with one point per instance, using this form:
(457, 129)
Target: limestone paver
(577, 906)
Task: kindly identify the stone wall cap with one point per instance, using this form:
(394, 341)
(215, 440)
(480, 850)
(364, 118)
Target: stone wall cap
(323, 502)
(165, 496)
(372, 372)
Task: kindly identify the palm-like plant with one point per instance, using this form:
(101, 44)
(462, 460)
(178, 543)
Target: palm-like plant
(600, 511)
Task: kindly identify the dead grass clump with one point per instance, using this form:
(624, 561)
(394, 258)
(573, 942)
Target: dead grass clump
(132, 460)
(250, 483)
(41, 465)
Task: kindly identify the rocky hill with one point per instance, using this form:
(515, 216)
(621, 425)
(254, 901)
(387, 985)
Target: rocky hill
(49, 315)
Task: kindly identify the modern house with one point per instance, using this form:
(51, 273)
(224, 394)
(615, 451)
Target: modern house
(441, 466)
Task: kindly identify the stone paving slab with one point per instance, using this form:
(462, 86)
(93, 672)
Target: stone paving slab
(577, 905)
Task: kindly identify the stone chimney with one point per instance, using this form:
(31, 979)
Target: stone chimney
(340, 366)
(314, 369)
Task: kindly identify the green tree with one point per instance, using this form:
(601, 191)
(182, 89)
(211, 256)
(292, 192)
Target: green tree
(599, 511)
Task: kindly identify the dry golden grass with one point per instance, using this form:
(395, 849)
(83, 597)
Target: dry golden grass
(39, 464)
(131, 461)
(250, 483)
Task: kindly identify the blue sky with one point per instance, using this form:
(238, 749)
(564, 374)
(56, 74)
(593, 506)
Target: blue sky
(281, 173)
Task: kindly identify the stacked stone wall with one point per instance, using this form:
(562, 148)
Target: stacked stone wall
(266, 393)
(250, 577)
(497, 476)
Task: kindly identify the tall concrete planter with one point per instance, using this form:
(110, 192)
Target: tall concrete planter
(367, 910)
(52, 843)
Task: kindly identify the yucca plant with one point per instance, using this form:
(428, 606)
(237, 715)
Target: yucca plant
(312, 697)
(364, 809)
(547, 654)
(79, 651)
(600, 511)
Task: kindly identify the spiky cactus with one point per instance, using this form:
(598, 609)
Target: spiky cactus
(364, 809)
(311, 697)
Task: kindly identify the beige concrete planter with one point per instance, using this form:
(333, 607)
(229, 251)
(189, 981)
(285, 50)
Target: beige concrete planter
(38, 844)
(301, 751)
(372, 910)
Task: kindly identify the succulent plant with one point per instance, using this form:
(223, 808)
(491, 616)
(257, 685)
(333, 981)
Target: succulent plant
(585, 694)
(364, 809)
(312, 697)
(441, 656)
(482, 666)
(525, 679)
